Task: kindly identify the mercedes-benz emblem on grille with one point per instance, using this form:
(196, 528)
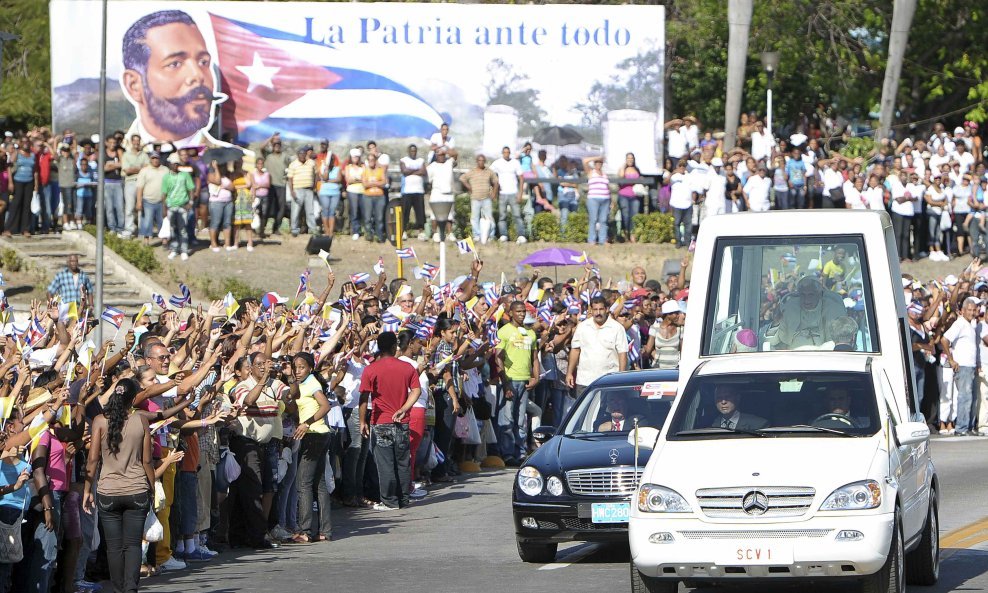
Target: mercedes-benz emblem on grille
(755, 503)
(614, 456)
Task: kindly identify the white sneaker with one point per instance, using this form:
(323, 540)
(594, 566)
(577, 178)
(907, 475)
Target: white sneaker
(418, 493)
(451, 238)
(173, 255)
(436, 238)
(503, 239)
(942, 432)
(185, 257)
(422, 237)
(380, 506)
(202, 548)
(356, 237)
(126, 235)
(172, 564)
(521, 239)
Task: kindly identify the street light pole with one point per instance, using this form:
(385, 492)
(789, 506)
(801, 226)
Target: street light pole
(100, 210)
(770, 61)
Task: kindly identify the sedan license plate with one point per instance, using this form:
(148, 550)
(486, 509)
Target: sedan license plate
(755, 553)
(610, 512)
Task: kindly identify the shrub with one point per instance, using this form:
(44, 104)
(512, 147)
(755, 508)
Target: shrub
(577, 227)
(545, 227)
(133, 251)
(240, 289)
(10, 261)
(461, 215)
(654, 227)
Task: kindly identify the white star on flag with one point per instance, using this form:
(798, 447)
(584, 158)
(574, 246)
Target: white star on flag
(258, 74)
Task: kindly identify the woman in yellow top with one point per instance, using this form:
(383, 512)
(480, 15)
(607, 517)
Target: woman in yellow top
(353, 173)
(309, 393)
(374, 180)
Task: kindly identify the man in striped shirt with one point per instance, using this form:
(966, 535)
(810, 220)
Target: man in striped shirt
(301, 178)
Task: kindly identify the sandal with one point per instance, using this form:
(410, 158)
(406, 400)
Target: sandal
(300, 538)
(324, 538)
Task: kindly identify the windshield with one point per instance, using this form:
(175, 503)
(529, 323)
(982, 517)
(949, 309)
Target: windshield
(777, 404)
(790, 293)
(615, 409)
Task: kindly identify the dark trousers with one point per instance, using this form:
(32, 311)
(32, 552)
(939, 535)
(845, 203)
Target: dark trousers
(19, 210)
(354, 458)
(122, 519)
(443, 436)
(411, 202)
(247, 520)
(273, 207)
(683, 217)
(312, 476)
(900, 228)
(392, 455)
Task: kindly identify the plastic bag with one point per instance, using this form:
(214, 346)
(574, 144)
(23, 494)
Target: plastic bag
(433, 461)
(159, 496)
(328, 474)
(473, 430)
(231, 467)
(153, 530)
(461, 427)
(166, 229)
(255, 223)
(35, 204)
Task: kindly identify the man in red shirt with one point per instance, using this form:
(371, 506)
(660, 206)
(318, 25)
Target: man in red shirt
(393, 386)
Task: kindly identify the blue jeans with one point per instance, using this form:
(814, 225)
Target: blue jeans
(180, 229)
(286, 505)
(329, 204)
(151, 217)
(782, 199)
(684, 217)
(797, 195)
(40, 551)
(353, 205)
(354, 458)
(220, 215)
(566, 205)
(373, 207)
(562, 401)
(113, 201)
(311, 477)
(392, 455)
(511, 417)
(503, 203)
(630, 207)
(186, 490)
(481, 209)
(964, 379)
(598, 209)
(10, 516)
(304, 204)
(46, 209)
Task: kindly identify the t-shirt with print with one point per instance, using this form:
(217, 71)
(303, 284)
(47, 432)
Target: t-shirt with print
(517, 343)
(388, 380)
(796, 170)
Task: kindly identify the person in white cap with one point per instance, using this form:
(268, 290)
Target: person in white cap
(716, 199)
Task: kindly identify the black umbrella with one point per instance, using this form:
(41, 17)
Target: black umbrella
(557, 136)
(226, 154)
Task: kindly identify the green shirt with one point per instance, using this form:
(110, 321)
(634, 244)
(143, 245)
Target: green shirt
(517, 343)
(176, 187)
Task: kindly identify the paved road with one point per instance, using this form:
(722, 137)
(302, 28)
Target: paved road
(460, 540)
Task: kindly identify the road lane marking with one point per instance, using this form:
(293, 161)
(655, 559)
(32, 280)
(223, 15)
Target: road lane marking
(963, 538)
(573, 555)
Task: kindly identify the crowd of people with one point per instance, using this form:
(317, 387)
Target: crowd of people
(250, 423)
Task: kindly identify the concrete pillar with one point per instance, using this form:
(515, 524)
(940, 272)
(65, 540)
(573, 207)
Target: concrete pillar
(739, 26)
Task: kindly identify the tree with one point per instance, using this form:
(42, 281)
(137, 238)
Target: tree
(25, 82)
(507, 87)
(638, 85)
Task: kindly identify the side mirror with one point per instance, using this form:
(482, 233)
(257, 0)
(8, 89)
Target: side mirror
(647, 437)
(543, 433)
(912, 433)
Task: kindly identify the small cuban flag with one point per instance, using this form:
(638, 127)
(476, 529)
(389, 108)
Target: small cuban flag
(113, 316)
(406, 253)
(426, 327)
(360, 278)
(159, 300)
(389, 322)
(379, 266)
(183, 299)
(426, 271)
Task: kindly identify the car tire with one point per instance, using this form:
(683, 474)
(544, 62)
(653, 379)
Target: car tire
(923, 563)
(645, 584)
(891, 577)
(537, 553)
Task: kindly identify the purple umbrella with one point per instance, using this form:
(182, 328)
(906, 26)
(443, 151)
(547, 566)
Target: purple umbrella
(555, 256)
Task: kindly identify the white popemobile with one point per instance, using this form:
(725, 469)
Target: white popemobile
(794, 450)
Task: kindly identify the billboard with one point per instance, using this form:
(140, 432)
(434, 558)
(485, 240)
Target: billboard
(346, 71)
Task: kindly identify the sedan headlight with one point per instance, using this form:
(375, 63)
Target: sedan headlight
(659, 499)
(530, 481)
(554, 485)
(858, 496)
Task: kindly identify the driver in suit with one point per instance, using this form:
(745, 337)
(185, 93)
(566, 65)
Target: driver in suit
(839, 414)
(617, 408)
(726, 398)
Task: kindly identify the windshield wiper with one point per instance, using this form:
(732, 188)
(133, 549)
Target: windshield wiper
(808, 427)
(718, 429)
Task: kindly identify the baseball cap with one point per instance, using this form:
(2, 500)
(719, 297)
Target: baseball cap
(154, 155)
(717, 162)
(950, 280)
(670, 307)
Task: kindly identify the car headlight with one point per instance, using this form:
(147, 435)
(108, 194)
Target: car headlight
(858, 496)
(554, 485)
(659, 499)
(530, 481)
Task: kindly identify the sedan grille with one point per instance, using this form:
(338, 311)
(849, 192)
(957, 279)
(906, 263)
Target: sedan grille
(603, 481)
(772, 501)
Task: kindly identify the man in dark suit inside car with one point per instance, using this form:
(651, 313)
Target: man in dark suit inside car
(726, 398)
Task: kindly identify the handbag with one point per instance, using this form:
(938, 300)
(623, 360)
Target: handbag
(11, 546)
(166, 229)
(153, 530)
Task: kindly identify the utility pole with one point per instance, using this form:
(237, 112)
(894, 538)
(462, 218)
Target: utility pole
(739, 27)
(100, 209)
(902, 19)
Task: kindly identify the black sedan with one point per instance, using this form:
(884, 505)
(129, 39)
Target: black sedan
(578, 485)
